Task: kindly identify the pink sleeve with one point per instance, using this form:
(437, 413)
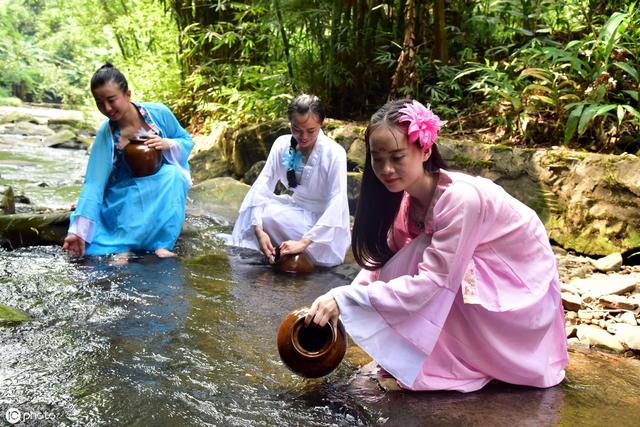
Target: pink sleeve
(457, 222)
(365, 277)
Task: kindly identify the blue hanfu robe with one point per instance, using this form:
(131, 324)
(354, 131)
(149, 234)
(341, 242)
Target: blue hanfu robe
(117, 212)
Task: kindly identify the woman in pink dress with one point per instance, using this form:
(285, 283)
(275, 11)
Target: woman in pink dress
(459, 283)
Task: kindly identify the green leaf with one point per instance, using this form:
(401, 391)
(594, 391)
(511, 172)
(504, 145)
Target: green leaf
(586, 117)
(620, 114)
(609, 31)
(572, 122)
(545, 99)
(537, 73)
(540, 88)
(632, 110)
(605, 109)
(632, 93)
(628, 68)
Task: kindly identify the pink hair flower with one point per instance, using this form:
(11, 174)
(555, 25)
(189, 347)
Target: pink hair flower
(423, 124)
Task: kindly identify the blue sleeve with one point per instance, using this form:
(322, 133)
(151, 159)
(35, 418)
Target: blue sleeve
(97, 174)
(172, 129)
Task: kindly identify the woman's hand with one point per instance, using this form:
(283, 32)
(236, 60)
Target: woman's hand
(74, 245)
(155, 141)
(291, 247)
(264, 241)
(323, 310)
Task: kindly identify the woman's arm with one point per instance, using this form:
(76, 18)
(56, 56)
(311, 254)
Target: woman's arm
(87, 211)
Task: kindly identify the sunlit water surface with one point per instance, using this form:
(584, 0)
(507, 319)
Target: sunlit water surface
(191, 341)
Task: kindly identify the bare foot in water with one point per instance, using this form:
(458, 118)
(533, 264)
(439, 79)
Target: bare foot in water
(120, 259)
(163, 253)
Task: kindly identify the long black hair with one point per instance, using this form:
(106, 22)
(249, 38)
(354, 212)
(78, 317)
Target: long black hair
(377, 206)
(108, 73)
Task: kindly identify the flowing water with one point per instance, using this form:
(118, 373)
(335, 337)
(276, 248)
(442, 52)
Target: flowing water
(191, 341)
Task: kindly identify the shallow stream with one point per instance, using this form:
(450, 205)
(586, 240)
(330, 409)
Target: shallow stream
(191, 341)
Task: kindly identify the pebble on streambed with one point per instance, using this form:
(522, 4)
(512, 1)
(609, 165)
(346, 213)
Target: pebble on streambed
(601, 299)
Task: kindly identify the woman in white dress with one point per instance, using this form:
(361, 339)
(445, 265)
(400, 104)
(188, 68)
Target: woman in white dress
(314, 219)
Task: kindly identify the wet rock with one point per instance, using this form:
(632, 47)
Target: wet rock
(220, 195)
(611, 262)
(571, 301)
(34, 229)
(599, 337)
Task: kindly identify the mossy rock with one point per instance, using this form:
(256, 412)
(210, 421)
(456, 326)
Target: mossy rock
(34, 229)
(252, 174)
(63, 138)
(15, 117)
(78, 125)
(11, 316)
(252, 144)
(356, 156)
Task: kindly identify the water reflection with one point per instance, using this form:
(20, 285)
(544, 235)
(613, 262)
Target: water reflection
(192, 341)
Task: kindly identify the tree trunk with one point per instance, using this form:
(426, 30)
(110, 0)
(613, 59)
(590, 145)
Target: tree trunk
(285, 39)
(440, 49)
(404, 76)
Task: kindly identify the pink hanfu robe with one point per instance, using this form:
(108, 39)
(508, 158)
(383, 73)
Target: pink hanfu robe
(473, 297)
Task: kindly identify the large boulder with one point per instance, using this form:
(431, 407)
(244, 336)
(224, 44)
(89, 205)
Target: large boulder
(252, 144)
(218, 197)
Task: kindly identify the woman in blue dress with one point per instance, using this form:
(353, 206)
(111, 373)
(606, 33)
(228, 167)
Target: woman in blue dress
(118, 212)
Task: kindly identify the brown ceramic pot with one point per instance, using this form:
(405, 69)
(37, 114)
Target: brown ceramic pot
(141, 159)
(310, 351)
(297, 263)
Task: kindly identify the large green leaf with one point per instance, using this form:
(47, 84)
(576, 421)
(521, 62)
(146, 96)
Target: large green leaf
(572, 122)
(587, 114)
(609, 32)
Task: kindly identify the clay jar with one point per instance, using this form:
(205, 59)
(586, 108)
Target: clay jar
(310, 351)
(141, 159)
(297, 263)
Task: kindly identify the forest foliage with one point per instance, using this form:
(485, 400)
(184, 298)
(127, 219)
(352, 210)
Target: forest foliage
(534, 72)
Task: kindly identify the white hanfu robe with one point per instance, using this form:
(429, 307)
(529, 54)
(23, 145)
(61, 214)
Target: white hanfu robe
(318, 209)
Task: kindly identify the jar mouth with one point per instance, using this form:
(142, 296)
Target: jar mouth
(312, 341)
